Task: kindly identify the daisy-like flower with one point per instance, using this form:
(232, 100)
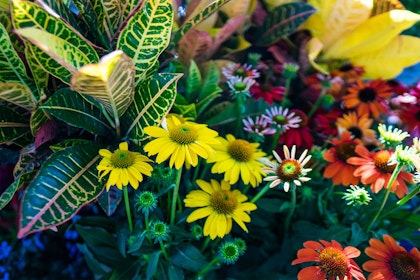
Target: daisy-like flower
(348, 72)
(282, 118)
(338, 169)
(260, 126)
(220, 205)
(183, 142)
(240, 70)
(332, 261)
(239, 86)
(237, 158)
(391, 261)
(391, 136)
(325, 123)
(267, 92)
(408, 156)
(124, 166)
(359, 126)
(368, 97)
(410, 117)
(288, 170)
(374, 169)
(301, 135)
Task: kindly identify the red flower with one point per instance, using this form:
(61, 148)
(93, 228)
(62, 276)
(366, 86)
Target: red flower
(267, 92)
(391, 261)
(300, 136)
(333, 262)
(339, 170)
(374, 170)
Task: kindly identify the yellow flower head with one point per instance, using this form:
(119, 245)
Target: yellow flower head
(182, 142)
(219, 204)
(236, 157)
(124, 167)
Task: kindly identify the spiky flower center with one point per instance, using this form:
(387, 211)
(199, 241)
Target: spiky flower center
(345, 151)
(289, 170)
(122, 159)
(405, 266)
(240, 72)
(333, 262)
(367, 95)
(381, 159)
(280, 119)
(356, 132)
(240, 150)
(229, 252)
(239, 86)
(223, 202)
(183, 134)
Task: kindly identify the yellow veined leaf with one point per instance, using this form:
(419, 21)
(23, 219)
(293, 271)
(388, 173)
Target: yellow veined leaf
(344, 17)
(238, 8)
(401, 52)
(373, 34)
(314, 47)
(207, 23)
(111, 82)
(316, 22)
(17, 94)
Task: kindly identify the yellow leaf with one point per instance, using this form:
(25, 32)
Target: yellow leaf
(314, 48)
(271, 4)
(206, 24)
(344, 17)
(401, 52)
(373, 34)
(235, 8)
(316, 22)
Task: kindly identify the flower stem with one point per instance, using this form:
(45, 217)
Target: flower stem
(261, 193)
(276, 139)
(127, 208)
(206, 269)
(403, 200)
(146, 223)
(291, 210)
(162, 247)
(175, 195)
(394, 175)
(317, 102)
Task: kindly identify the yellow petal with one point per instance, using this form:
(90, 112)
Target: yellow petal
(388, 62)
(199, 214)
(373, 34)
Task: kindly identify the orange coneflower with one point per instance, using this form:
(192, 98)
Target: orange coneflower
(348, 72)
(339, 170)
(374, 170)
(391, 261)
(368, 97)
(333, 262)
(359, 126)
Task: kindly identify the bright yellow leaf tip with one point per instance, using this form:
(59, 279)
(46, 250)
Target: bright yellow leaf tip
(345, 30)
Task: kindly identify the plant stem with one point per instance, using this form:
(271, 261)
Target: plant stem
(291, 210)
(317, 102)
(261, 193)
(403, 200)
(175, 195)
(286, 92)
(146, 223)
(162, 247)
(276, 139)
(204, 271)
(239, 112)
(127, 208)
(388, 190)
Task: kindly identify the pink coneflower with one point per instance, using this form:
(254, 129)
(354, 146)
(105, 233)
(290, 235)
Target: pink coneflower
(239, 70)
(282, 118)
(301, 135)
(261, 126)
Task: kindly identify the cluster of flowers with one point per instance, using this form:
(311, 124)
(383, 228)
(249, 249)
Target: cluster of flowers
(342, 111)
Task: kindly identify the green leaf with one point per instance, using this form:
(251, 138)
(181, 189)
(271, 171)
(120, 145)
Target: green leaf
(283, 21)
(17, 94)
(147, 34)
(39, 74)
(8, 194)
(152, 264)
(110, 200)
(66, 182)
(12, 125)
(68, 143)
(38, 118)
(201, 16)
(110, 82)
(188, 257)
(72, 108)
(94, 265)
(193, 82)
(53, 36)
(152, 102)
(12, 68)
